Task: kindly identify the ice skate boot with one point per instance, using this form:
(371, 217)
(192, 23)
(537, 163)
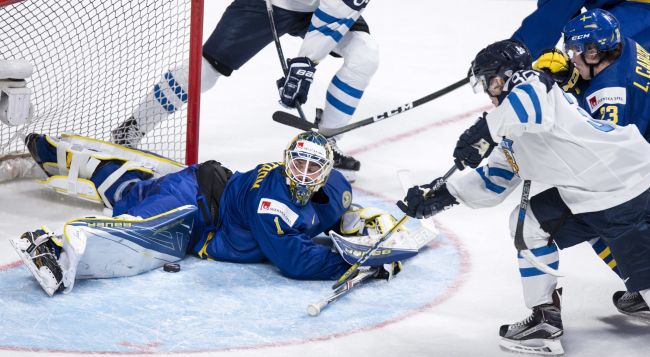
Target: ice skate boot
(39, 251)
(631, 303)
(539, 333)
(346, 164)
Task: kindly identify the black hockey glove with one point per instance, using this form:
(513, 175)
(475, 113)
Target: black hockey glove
(294, 88)
(474, 144)
(560, 68)
(423, 202)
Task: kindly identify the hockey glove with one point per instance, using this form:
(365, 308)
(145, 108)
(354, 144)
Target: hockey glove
(294, 88)
(423, 202)
(474, 144)
(557, 64)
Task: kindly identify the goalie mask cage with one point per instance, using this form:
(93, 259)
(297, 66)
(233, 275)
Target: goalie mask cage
(95, 59)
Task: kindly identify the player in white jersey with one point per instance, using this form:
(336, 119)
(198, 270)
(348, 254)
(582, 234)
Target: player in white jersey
(328, 27)
(539, 133)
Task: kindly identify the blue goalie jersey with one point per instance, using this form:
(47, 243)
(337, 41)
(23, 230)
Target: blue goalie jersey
(259, 222)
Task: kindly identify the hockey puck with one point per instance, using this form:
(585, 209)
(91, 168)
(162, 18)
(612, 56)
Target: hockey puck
(172, 267)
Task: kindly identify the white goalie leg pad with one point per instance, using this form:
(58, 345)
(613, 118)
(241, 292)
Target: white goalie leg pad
(537, 286)
(361, 59)
(78, 157)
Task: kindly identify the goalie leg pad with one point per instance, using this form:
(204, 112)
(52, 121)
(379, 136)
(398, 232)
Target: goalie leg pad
(93, 169)
(101, 247)
(15, 103)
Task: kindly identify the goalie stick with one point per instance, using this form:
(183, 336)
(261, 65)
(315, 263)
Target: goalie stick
(299, 123)
(315, 309)
(278, 47)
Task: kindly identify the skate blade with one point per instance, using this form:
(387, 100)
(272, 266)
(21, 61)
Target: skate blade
(642, 316)
(535, 346)
(32, 267)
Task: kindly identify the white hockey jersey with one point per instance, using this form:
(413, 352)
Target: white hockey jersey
(546, 137)
(332, 19)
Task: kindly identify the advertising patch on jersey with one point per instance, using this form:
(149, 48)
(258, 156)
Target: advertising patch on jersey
(611, 95)
(356, 4)
(270, 206)
(347, 199)
(310, 148)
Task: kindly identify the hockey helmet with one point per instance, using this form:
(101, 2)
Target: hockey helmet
(597, 27)
(502, 58)
(308, 163)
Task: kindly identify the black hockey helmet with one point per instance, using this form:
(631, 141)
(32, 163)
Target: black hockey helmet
(501, 59)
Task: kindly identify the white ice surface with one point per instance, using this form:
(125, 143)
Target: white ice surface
(425, 45)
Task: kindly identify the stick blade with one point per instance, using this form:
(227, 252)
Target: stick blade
(293, 121)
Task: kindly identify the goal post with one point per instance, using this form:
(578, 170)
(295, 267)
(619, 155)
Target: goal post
(94, 60)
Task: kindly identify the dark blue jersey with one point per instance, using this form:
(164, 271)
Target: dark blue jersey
(543, 28)
(621, 92)
(259, 222)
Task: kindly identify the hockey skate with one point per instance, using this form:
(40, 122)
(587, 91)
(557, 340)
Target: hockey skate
(631, 303)
(346, 164)
(127, 134)
(539, 333)
(39, 250)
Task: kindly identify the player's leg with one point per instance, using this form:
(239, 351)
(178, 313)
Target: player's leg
(241, 33)
(360, 61)
(548, 221)
(625, 229)
(92, 169)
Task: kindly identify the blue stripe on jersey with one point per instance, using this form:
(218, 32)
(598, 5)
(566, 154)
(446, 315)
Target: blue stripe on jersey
(541, 251)
(489, 184)
(528, 272)
(533, 98)
(599, 246)
(162, 99)
(329, 19)
(339, 104)
(346, 88)
(518, 107)
(178, 90)
(499, 172)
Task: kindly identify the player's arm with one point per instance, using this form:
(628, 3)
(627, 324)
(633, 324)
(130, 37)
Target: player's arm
(486, 186)
(542, 28)
(329, 23)
(292, 251)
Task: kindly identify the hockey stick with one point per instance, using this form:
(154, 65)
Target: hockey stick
(350, 273)
(278, 47)
(293, 121)
(520, 243)
(315, 309)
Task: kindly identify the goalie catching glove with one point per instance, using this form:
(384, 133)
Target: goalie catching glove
(557, 64)
(423, 202)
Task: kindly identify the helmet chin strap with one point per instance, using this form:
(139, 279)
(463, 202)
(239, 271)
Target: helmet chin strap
(592, 66)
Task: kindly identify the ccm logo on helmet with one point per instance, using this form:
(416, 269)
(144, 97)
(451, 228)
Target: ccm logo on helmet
(579, 37)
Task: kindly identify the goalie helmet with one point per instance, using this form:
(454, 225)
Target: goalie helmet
(502, 59)
(597, 27)
(308, 162)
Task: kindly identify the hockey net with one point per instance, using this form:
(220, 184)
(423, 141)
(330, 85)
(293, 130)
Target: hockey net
(93, 62)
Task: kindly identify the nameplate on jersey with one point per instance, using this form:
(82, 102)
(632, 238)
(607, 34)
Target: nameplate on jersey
(611, 95)
(270, 206)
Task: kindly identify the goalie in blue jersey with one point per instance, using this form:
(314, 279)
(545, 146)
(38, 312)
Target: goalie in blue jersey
(162, 211)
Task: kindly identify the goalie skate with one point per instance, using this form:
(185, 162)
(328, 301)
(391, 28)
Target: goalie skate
(539, 333)
(38, 253)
